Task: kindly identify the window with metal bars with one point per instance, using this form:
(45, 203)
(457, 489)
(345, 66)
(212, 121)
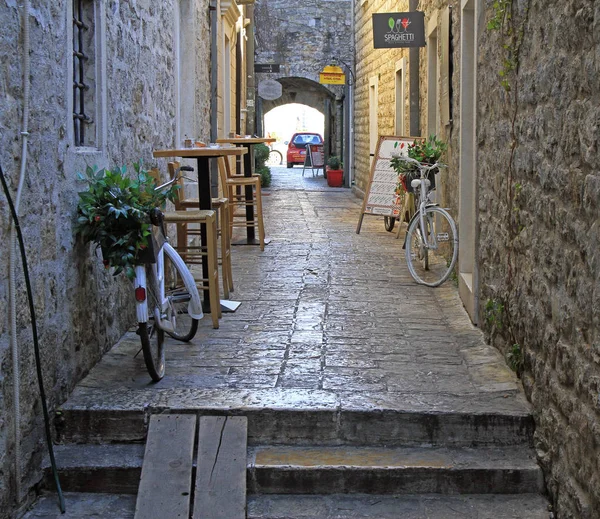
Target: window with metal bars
(84, 73)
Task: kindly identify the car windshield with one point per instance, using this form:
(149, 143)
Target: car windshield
(307, 139)
(302, 140)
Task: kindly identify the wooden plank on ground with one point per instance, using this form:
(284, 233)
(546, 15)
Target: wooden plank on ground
(166, 481)
(221, 469)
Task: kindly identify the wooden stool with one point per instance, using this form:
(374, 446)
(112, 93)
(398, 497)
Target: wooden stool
(193, 255)
(231, 185)
(221, 205)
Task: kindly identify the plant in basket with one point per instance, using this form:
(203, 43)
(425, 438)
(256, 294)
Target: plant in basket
(114, 213)
(427, 151)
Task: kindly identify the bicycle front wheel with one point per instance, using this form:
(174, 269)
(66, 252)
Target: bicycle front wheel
(431, 258)
(151, 335)
(178, 299)
(275, 158)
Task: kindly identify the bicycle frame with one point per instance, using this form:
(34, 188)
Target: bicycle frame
(141, 282)
(422, 184)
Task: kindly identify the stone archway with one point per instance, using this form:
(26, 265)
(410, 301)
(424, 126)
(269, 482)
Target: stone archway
(310, 93)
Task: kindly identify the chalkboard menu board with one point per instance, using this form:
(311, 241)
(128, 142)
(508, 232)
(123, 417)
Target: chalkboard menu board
(380, 196)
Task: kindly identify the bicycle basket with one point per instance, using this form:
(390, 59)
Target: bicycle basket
(411, 175)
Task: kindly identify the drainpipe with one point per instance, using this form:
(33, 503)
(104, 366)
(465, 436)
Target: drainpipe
(13, 254)
(251, 83)
(214, 82)
(413, 66)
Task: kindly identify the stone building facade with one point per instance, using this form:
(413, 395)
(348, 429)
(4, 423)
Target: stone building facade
(303, 38)
(523, 184)
(148, 71)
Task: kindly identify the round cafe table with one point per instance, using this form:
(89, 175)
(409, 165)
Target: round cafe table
(202, 156)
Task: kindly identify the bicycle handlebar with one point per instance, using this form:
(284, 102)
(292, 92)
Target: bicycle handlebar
(174, 179)
(423, 166)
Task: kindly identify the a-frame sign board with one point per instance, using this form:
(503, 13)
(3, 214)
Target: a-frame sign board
(380, 196)
(314, 158)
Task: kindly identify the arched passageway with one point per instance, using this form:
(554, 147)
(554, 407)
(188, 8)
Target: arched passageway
(307, 92)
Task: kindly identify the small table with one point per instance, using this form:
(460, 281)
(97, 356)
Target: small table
(202, 155)
(248, 163)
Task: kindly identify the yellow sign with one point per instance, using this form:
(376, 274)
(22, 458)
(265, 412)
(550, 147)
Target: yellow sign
(332, 75)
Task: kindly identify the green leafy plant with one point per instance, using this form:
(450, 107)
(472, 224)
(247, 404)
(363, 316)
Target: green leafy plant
(494, 311)
(427, 151)
(261, 154)
(265, 175)
(515, 360)
(114, 213)
(335, 163)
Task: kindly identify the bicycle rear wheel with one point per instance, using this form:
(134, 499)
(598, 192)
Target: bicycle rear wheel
(178, 297)
(432, 265)
(151, 336)
(389, 222)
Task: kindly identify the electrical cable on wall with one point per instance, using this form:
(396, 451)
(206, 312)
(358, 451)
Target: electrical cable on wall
(36, 347)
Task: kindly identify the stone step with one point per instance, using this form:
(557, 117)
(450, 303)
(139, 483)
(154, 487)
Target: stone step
(323, 470)
(361, 506)
(332, 506)
(308, 417)
(83, 506)
(333, 470)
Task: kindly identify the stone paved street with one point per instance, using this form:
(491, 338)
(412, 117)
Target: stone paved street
(351, 378)
(328, 317)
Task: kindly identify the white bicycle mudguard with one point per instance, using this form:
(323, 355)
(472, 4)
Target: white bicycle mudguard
(195, 305)
(141, 307)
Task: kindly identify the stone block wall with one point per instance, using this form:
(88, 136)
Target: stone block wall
(539, 249)
(303, 37)
(380, 65)
(81, 309)
(538, 199)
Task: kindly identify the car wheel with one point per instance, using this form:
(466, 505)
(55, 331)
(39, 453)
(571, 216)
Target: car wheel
(290, 165)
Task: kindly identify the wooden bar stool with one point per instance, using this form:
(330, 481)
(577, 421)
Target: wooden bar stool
(193, 255)
(221, 205)
(237, 199)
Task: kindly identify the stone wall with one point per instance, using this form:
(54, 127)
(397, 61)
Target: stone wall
(539, 250)
(380, 65)
(304, 38)
(538, 199)
(81, 309)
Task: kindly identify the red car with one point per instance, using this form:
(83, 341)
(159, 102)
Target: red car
(297, 147)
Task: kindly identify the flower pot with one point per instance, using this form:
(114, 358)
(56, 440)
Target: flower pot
(335, 177)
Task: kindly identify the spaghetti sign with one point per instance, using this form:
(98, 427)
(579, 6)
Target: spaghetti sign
(394, 30)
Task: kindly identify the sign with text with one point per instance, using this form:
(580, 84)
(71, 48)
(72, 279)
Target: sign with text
(394, 30)
(269, 89)
(332, 75)
(380, 196)
(267, 67)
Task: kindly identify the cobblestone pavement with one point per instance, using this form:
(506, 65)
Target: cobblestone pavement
(326, 314)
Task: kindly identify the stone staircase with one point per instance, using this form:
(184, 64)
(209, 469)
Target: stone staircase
(323, 463)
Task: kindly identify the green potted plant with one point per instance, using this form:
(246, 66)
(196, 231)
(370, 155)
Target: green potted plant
(261, 154)
(427, 151)
(114, 213)
(335, 172)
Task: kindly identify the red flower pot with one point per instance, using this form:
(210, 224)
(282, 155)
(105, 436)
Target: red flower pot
(335, 177)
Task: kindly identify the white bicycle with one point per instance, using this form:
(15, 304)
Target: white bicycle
(167, 298)
(431, 243)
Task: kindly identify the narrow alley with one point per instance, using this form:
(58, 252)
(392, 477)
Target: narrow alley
(333, 347)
